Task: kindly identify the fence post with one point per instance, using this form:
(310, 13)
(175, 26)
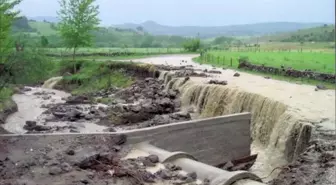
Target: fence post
(231, 62)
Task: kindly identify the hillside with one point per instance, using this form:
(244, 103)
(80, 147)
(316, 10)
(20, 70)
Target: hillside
(207, 32)
(104, 37)
(44, 19)
(319, 34)
(324, 33)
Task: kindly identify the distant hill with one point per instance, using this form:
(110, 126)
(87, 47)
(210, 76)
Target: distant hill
(104, 37)
(207, 32)
(324, 33)
(44, 19)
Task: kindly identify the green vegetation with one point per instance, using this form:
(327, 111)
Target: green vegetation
(78, 19)
(309, 36)
(319, 62)
(31, 31)
(192, 45)
(93, 76)
(43, 28)
(319, 34)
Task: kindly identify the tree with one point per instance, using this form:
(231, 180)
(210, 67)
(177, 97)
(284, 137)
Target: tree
(7, 17)
(78, 18)
(140, 28)
(44, 41)
(192, 45)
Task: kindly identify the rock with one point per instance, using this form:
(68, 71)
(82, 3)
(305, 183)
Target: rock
(31, 126)
(110, 129)
(206, 181)
(182, 177)
(74, 131)
(26, 89)
(70, 152)
(116, 148)
(236, 75)
(164, 174)
(147, 177)
(120, 139)
(136, 108)
(84, 181)
(44, 106)
(42, 128)
(66, 167)
(321, 87)
(181, 116)
(146, 162)
(77, 100)
(90, 175)
(55, 170)
(153, 158)
(192, 175)
(47, 97)
(89, 116)
(267, 77)
(217, 82)
(215, 72)
(172, 167)
(31, 123)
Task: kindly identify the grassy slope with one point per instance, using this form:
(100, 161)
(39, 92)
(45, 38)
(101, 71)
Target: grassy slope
(283, 78)
(281, 36)
(94, 76)
(319, 62)
(5, 95)
(43, 27)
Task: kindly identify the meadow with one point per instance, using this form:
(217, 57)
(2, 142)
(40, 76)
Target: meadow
(110, 50)
(316, 61)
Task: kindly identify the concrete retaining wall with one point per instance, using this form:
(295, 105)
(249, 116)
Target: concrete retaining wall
(211, 141)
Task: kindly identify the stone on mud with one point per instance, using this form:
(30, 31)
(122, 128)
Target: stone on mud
(236, 75)
(77, 100)
(218, 82)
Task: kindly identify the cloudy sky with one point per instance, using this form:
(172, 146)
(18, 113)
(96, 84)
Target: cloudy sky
(198, 12)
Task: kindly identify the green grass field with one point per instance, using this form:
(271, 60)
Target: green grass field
(318, 62)
(43, 27)
(106, 50)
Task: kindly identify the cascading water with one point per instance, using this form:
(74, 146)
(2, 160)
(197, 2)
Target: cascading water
(278, 134)
(50, 83)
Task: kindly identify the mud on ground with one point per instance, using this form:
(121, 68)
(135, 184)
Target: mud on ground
(79, 160)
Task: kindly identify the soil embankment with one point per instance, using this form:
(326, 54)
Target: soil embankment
(8, 107)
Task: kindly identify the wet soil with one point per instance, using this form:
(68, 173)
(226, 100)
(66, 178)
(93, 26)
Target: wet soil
(79, 160)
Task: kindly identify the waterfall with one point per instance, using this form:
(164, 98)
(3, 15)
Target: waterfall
(275, 127)
(50, 83)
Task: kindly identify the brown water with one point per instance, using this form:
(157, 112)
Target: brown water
(29, 109)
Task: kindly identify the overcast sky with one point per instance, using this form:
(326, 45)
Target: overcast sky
(198, 12)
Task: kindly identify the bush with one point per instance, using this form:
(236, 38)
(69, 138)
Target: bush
(192, 45)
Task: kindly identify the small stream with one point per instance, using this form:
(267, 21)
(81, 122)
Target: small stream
(30, 108)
